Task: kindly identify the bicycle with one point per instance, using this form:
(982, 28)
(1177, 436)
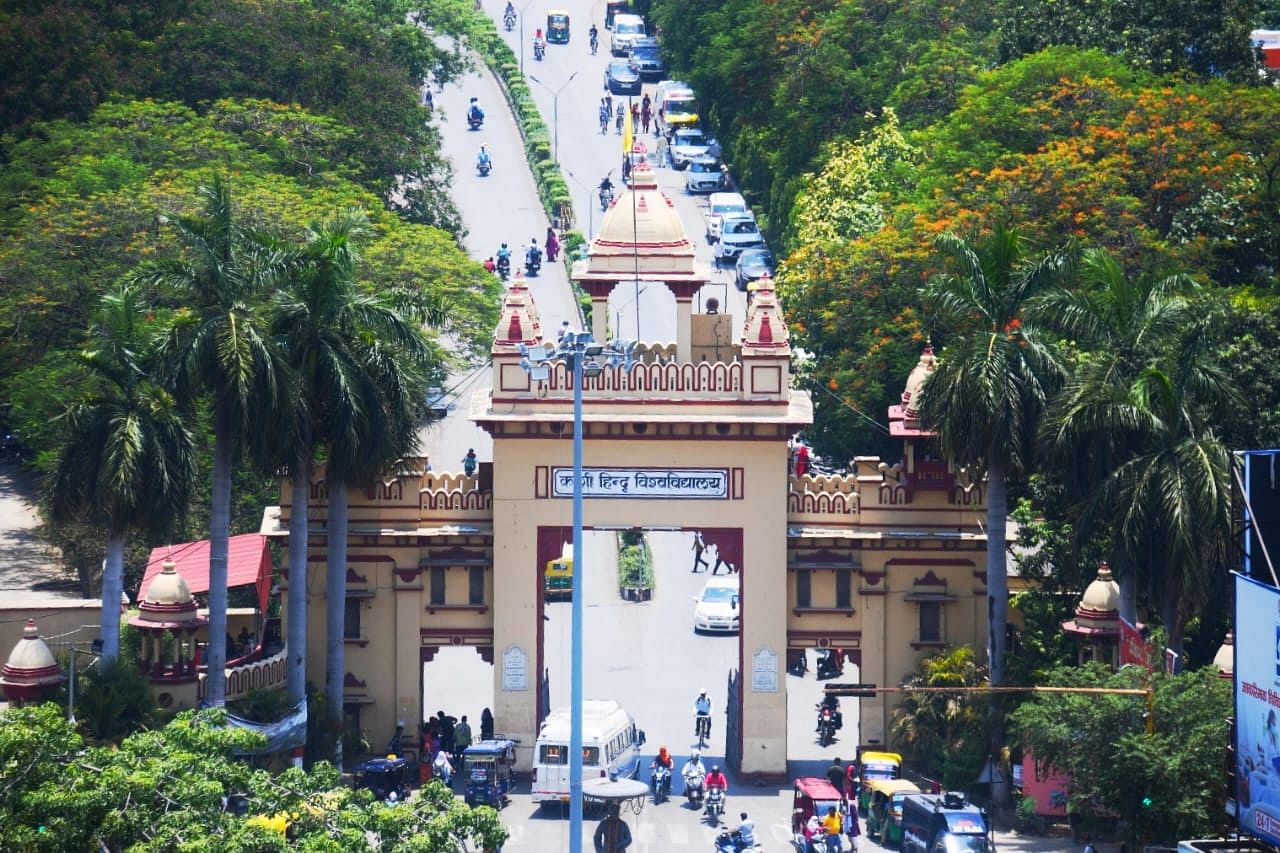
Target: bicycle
(702, 726)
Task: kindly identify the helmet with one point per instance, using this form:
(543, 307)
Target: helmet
(715, 768)
(697, 756)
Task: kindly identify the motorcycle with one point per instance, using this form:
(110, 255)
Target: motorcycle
(509, 21)
(539, 50)
(693, 789)
(715, 805)
(606, 198)
(475, 119)
(532, 264)
(504, 268)
(661, 783)
(483, 167)
(828, 666)
(729, 841)
(826, 726)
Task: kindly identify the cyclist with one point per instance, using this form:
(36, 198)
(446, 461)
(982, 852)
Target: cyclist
(702, 717)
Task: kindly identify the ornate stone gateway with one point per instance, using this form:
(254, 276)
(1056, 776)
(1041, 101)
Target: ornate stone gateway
(884, 563)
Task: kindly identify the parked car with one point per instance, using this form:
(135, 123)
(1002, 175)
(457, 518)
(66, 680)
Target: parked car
(621, 79)
(738, 232)
(704, 175)
(646, 59)
(718, 206)
(626, 29)
(688, 143)
(717, 607)
(752, 264)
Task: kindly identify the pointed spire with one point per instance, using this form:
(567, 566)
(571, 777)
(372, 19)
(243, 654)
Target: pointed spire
(765, 331)
(518, 322)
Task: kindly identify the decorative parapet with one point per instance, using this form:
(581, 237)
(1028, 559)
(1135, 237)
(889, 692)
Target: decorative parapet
(645, 380)
(822, 495)
(265, 674)
(454, 497)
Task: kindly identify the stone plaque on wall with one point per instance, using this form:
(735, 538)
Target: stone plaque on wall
(764, 672)
(515, 669)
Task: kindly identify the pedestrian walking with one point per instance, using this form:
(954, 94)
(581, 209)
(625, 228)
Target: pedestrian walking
(469, 463)
(604, 117)
(486, 724)
(552, 244)
(802, 459)
(461, 740)
(646, 115)
(442, 768)
(608, 101)
(618, 123)
(850, 820)
(635, 116)
(612, 834)
(698, 547)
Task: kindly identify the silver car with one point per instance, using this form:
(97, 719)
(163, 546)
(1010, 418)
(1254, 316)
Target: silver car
(688, 143)
(719, 206)
(704, 175)
(738, 232)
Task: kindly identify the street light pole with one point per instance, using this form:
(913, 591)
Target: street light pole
(522, 8)
(555, 113)
(591, 202)
(575, 641)
(576, 348)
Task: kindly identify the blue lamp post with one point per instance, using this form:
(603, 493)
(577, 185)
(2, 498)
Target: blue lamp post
(586, 358)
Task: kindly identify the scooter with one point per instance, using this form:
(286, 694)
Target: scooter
(539, 50)
(475, 119)
(504, 268)
(509, 21)
(661, 782)
(715, 805)
(483, 167)
(532, 264)
(729, 841)
(693, 792)
(606, 198)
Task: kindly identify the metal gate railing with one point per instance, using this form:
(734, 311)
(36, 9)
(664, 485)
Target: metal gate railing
(733, 723)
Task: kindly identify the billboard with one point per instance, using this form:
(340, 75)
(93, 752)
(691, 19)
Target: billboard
(1257, 697)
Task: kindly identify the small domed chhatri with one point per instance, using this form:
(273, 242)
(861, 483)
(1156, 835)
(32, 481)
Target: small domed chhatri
(1225, 659)
(169, 608)
(31, 671)
(1097, 621)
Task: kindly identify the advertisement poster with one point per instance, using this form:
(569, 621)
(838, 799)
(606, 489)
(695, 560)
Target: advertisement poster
(1257, 685)
(1133, 647)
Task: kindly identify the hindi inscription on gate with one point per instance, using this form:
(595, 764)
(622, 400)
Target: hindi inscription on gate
(644, 483)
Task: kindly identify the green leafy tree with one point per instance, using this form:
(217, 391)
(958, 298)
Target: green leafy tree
(1124, 323)
(127, 463)
(115, 700)
(1099, 741)
(219, 344)
(1208, 38)
(944, 731)
(166, 789)
(992, 382)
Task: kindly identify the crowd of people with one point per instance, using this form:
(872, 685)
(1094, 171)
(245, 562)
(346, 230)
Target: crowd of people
(442, 740)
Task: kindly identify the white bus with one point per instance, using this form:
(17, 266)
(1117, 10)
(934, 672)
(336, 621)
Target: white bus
(610, 745)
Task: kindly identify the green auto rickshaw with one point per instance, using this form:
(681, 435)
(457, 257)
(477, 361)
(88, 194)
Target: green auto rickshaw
(558, 26)
(884, 817)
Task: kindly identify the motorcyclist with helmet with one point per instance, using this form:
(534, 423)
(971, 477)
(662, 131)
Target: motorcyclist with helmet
(504, 261)
(694, 774)
(483, 161)
(830, 702)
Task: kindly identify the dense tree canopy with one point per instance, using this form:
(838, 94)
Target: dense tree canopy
(167, 789)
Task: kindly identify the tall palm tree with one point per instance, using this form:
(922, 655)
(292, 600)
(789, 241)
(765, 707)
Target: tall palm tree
(362, 365)
(1123, 323)
(128, 460)
(1161, 483)
(219, 345)
(992, 382)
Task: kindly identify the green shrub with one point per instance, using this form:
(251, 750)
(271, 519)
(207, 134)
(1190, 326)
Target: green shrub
(114, 700)
(635, 565)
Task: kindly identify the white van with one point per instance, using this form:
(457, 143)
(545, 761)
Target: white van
(719, 205)
(626, 29)
(610, 745)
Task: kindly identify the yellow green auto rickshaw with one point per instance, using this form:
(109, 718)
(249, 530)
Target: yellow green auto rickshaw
(884, 817)
(874, 765)
(558, 26)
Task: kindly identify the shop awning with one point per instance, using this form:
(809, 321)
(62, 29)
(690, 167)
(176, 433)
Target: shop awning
(248, 564)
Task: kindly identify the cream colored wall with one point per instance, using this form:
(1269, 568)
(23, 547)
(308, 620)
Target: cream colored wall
(517, 516)
(78, 619)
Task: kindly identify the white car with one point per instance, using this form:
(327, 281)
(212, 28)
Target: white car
(738, 231)
(718, 205)
(626, 29)
(716, 608)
